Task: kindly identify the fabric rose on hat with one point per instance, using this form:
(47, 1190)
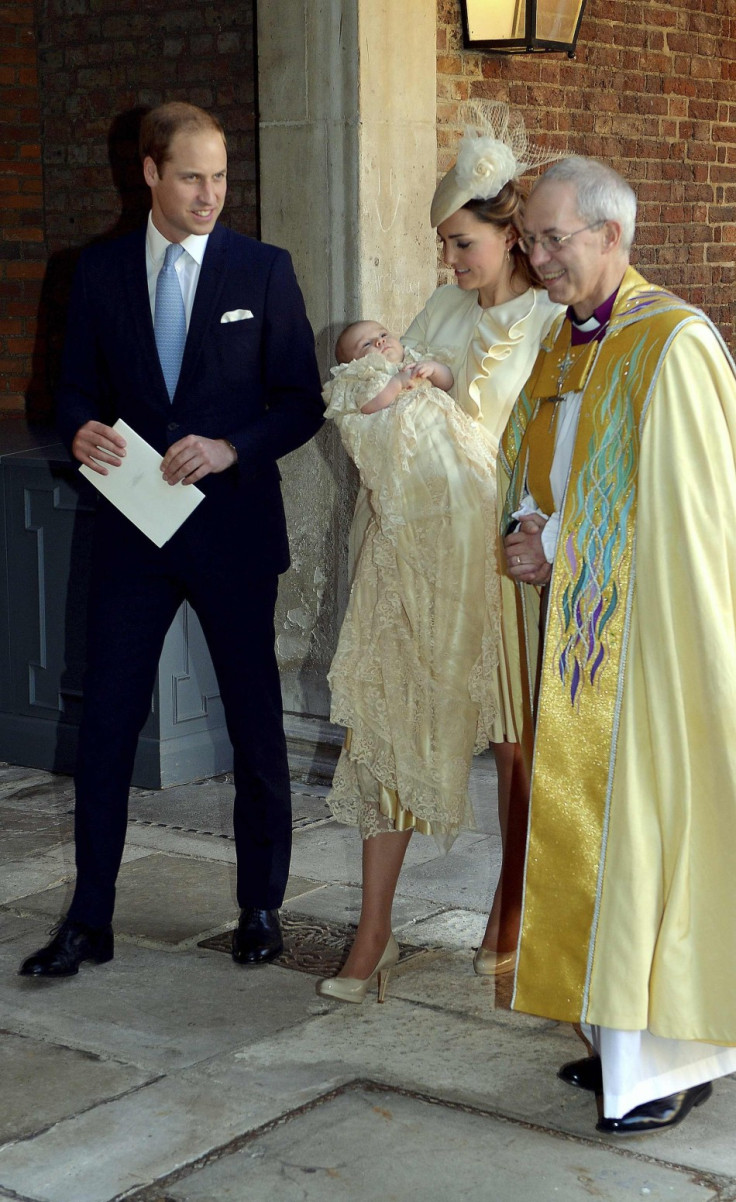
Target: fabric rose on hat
(493, 150)
(483, 166)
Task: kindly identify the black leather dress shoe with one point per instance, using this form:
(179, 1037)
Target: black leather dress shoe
(257, 937)
(656, 1115)
(72, 943)
(584, 1074)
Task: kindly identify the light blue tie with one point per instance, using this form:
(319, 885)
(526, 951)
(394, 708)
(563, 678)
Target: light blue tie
(170, 319)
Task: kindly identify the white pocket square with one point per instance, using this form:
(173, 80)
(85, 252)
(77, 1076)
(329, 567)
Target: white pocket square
(236, 315)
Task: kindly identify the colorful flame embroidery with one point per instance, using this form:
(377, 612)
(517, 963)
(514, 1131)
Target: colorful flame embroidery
(600, 509)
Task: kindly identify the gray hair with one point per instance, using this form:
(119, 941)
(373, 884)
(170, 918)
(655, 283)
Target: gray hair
(602, 194)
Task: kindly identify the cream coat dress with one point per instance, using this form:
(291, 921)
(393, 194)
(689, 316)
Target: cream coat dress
(490, 353)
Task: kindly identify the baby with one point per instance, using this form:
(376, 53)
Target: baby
(361, 338)
(411, 677)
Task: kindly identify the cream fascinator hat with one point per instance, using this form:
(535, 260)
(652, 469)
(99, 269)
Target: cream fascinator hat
(493, 150)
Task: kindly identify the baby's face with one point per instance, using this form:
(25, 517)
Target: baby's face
(369, 336)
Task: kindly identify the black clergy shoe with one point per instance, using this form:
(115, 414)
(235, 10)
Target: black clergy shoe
(72, 943)
(257, 937)
(584, 1074)
(656, 1115)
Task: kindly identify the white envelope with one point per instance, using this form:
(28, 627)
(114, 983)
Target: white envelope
(140, 492)
(236, 315)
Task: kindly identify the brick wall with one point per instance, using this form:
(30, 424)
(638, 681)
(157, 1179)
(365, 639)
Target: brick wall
(656, 99)
(22, 250)
(102, 63)
(652, 90)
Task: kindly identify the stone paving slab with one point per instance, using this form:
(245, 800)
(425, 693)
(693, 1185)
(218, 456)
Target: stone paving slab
(165, 1126)
(217, 1053)
(206, 808)
(44, 884)
(26, 833)
(367, 1144)
(341, 903)
(11, 774)
(309, 808)
(199, 1110)
(446, 979)
(465, 877)
(43, 1083)
(155, 1009)
(11, 925)
(155, 836)
(503, 1061)
(167, 899)
(31, 877)
(44, 791)
(301, 887)
(453, 929)
(187, 1114)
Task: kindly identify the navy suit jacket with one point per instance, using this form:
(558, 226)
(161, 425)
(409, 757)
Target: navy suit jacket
(254, 382)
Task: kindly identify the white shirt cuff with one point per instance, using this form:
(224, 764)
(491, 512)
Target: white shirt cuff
(551, 530)
(550, 534)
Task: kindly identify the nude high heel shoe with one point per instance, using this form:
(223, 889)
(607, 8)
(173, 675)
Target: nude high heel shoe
(353, 989)
(493, 964)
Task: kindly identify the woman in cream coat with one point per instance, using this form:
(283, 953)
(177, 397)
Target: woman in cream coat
(488, 326)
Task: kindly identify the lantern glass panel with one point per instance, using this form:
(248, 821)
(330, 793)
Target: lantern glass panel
(557, 20)
(496, 20)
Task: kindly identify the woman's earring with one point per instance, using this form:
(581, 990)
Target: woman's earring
(508, 255)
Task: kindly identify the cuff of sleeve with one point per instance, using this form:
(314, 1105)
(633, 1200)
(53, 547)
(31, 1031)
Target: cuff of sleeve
(550, 534)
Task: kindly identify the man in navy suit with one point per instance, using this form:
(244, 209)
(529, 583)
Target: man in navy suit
(247, 392)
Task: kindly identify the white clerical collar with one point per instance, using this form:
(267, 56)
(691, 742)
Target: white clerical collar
(193, 244)
(590, 323)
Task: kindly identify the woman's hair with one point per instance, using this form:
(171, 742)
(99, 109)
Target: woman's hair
(160, 126)
(503, 210)
(601, 193)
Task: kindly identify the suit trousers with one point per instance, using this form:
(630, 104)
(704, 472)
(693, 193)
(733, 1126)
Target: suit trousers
(135, 593)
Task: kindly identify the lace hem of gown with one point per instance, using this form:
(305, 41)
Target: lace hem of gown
(357, 798)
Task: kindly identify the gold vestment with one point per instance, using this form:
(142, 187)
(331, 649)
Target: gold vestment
(629, 919)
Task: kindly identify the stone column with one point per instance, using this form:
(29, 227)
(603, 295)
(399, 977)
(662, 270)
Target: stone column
(347, 99)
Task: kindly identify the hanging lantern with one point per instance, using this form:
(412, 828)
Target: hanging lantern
(521, 26)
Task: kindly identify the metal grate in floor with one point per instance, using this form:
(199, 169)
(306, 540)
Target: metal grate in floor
(312, 945)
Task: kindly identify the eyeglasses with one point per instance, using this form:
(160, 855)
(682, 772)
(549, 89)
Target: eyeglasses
(552, 243)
